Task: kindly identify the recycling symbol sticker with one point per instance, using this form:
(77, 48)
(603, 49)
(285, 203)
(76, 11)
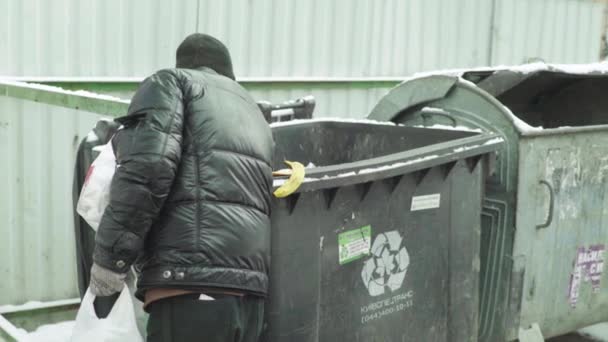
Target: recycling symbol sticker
(385, 270)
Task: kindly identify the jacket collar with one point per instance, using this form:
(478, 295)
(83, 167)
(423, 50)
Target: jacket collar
(207, 70)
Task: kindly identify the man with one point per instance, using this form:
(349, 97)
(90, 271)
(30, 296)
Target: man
(84, 234)
(190, 201)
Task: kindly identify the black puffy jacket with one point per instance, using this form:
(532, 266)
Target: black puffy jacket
(190, 199)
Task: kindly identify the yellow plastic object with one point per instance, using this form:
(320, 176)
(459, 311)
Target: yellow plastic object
(293, 183)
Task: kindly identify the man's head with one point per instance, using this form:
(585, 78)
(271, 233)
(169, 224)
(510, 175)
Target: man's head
(202, 50)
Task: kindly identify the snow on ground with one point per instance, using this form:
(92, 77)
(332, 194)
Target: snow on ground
(598, 332)
(59, 332)
(34, 305)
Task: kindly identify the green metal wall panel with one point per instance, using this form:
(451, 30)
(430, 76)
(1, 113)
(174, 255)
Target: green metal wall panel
(37, 149)
(292, 38)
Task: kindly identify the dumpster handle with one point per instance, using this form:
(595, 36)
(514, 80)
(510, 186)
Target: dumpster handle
(551, 205)
(427, 115)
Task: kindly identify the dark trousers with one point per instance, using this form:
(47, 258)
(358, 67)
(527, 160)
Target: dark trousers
(188, 319)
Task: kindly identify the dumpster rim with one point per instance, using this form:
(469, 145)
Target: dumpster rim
(564, 130)
(400, 163)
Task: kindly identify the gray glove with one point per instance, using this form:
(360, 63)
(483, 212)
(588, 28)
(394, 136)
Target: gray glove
(105, 282)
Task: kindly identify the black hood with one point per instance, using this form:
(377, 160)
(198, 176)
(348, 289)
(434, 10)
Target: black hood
(202, 50)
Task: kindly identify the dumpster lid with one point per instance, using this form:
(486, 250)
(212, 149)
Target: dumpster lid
(538, 98)
(519, 72)
(413, 94)
(498, 80)
(550, 96)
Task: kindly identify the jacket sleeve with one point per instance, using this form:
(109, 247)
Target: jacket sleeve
(148, 151)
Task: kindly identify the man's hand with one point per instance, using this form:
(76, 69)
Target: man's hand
(105, 282)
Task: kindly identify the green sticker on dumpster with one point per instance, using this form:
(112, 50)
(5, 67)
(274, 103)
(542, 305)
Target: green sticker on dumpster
(354, 244)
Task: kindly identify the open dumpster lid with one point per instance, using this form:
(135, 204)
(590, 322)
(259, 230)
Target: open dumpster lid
(537, 98)
(550, 96)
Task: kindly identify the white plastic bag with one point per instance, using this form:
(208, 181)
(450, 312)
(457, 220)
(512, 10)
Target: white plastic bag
(95, 193)
(119, 326)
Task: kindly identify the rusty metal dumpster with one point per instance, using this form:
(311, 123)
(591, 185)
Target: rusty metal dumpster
(545, 216)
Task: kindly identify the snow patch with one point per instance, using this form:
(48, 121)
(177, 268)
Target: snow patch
(34, 305)
(361, 121)
(452, 128)
(598, 332)
(445, 72)
(582, 69)
(59, 332)
(472, 147)
(494, 141)
(281, 181)
(59, 90)
(397, 165)
(342, 175)
(10, 329)
(435, 110)
(519, 123)
(579, 69)
(465, 148)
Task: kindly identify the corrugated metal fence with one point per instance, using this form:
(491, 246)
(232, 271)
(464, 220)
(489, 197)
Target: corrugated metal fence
(37, 147)
(294, 38)
(350, 47)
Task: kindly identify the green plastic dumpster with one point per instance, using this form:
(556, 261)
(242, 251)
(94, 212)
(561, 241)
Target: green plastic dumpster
(381, 241)
(545, 216)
